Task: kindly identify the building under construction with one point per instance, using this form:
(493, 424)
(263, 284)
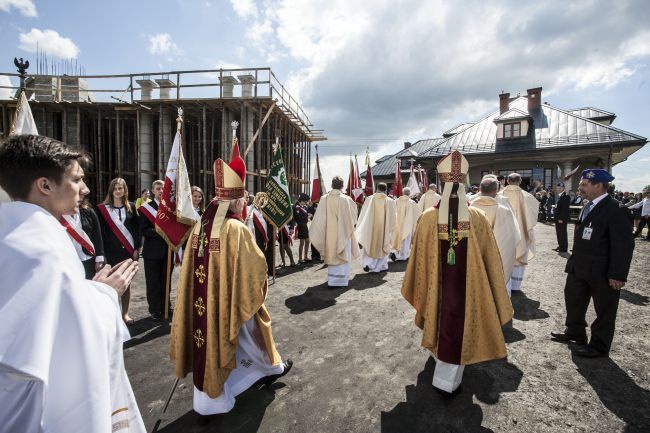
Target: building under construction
(127, 123)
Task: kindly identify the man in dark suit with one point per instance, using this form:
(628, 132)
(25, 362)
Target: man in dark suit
(598, 268)
(154, 253)
(562, 208)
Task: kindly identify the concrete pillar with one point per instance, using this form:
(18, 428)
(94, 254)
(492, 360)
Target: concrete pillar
(167, 130)
(227, 85)
(146, 86)
(246, 131)
(146, 150)
(165, 87)
(246, 85)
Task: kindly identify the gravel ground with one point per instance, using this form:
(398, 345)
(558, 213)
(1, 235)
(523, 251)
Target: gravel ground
(359, 367)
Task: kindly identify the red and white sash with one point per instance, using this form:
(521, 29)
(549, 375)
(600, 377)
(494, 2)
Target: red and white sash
(73, 227)
(118, 228)
(260, 224)
(147, 210)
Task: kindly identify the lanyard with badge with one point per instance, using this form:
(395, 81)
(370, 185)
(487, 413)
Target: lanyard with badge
(586, 234)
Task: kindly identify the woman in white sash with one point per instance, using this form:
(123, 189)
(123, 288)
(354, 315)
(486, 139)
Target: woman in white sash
(120, 231)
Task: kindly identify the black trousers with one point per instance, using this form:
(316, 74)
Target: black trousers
(562, 237)
(577, 294)
(155, 272)
(642, 223)
(89, 268)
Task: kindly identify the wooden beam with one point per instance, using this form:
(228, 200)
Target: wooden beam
(259, 128)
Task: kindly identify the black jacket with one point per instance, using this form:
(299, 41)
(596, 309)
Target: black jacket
(113, 248)
(154, 247)
(562, 207)
(90, 224)
(609, 251)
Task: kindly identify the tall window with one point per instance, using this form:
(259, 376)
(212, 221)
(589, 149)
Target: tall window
(512, 130)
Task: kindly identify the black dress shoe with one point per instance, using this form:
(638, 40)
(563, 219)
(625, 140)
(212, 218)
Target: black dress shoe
(202, 420)
(589, 352)
(563, 337)
(556, 249)
(366, 268)
(268, 380)
(392, 256)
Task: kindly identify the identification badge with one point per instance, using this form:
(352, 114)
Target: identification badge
(586, 234)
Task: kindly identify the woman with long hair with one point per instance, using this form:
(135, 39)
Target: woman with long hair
(120, 231)
(198, 200)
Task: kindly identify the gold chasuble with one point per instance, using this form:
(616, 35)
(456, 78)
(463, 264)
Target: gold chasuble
(455, 279)
(223, 284)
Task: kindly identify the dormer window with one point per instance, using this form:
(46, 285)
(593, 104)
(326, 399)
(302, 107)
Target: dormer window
(512, 130)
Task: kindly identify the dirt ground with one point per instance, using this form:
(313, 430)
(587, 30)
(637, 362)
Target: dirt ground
(359, 367)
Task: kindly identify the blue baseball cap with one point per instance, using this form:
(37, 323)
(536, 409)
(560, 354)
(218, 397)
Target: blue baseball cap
(597, 175)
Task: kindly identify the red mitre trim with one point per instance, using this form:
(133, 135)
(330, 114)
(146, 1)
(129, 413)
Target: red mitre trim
(237, 163)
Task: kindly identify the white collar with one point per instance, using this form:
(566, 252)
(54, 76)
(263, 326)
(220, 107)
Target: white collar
(598, 199)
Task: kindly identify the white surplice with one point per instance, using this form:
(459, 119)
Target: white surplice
(61, 358)
(252, 364)
(339, 275)
(446, 376)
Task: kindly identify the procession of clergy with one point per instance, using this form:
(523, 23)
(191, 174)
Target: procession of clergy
(466, 256)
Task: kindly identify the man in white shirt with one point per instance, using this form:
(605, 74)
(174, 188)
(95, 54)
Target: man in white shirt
(61, 360)
(645, 213)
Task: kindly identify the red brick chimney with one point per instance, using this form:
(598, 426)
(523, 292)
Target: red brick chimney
(534, 98)
(504, 102)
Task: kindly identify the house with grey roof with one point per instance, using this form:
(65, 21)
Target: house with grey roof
(533, 139)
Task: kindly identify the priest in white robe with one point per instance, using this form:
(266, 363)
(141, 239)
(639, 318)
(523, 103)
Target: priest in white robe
(61, 360)
(406, 218)
(375, 228)
(501, 219)
(429, 199)
(526, 209)
(332, 233)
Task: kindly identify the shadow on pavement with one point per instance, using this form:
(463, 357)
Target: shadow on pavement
(512, 334)
(635, 298)
(617, 391)
(320, 297)
(526, 308)
(145, 330)
(427, 411)
(245, 417)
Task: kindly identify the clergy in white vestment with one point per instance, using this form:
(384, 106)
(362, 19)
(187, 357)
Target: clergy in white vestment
(429, 199)
(501, 219)
(332, 233)
(406, 217)
(61, 360)
(374, 230)
(526, 209)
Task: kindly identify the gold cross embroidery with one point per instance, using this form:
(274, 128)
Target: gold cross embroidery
(198, 338)
(200, 306)
(203, 242)
(200, 274)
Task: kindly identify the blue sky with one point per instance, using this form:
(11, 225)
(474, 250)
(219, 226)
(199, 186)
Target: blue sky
(370, 72)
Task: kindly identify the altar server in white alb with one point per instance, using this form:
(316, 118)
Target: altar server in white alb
(501, 219)
(332, 233)
(526, 209)
(407, 214)
(375, 228)
(61, 361)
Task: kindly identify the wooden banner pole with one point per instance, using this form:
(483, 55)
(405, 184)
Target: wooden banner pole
(167, 282)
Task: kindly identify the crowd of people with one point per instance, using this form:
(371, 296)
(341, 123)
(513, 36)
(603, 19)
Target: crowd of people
(68, 268)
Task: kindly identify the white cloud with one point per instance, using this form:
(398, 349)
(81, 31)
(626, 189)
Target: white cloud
(6, 93)
(376, 68)
(49, 41)
(161, 43)
(244, 8)
(25, 7)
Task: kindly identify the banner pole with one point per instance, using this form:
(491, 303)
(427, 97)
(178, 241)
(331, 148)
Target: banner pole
(167, 282)
(275, 233)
